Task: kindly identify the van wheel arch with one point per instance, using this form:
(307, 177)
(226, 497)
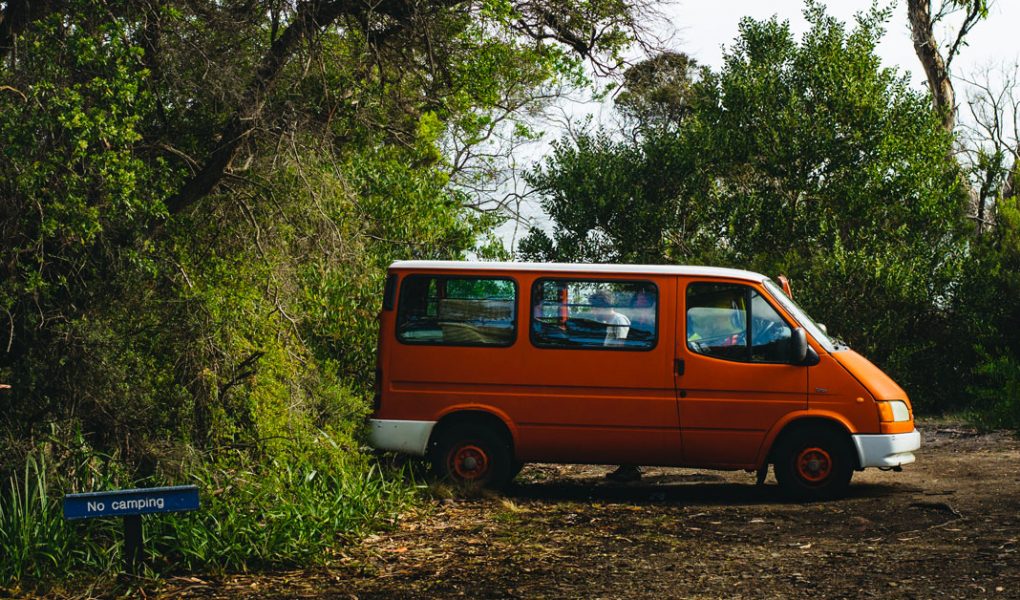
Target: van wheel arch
(470, 417)
(813, 423)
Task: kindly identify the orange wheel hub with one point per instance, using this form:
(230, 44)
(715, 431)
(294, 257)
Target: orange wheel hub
(469, 462)
(814, 464)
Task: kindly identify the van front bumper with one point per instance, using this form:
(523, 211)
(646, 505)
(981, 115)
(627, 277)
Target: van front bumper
(887, 450)
(410, 437)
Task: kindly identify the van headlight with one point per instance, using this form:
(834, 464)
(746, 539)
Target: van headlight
(891, 411)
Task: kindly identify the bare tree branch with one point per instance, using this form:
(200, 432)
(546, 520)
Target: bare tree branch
(974, 14)
(991, 141)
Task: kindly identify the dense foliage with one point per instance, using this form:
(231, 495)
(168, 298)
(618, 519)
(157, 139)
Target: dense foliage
(805, 158)
(990, 320)
(197, 204)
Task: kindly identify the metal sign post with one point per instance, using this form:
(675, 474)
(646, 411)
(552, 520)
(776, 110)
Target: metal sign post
(131, 505)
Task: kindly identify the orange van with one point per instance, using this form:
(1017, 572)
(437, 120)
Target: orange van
(483, 367)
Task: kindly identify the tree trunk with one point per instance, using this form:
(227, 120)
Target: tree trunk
(941, 86)
(1011, 187)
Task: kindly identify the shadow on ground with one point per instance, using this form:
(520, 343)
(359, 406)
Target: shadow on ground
(695, 493)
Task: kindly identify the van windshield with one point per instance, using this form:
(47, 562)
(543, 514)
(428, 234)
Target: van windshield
(802, 317)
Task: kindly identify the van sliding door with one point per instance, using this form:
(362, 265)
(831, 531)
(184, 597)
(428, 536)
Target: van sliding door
(597, 371)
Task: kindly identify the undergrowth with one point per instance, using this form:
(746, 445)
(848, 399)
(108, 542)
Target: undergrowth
(290, 510)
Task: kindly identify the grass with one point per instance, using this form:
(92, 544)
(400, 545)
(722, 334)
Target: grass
(291, 510)
(280, 515)
(35, 540)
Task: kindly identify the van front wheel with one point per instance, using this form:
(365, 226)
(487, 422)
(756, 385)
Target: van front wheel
(473, 455)
(814, 464)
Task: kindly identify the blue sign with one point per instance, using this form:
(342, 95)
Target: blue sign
(119, 503)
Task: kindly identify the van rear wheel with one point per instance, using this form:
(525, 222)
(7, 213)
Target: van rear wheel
(473, 455)
(814, 464)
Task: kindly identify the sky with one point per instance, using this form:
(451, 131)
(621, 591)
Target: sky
(701, 29)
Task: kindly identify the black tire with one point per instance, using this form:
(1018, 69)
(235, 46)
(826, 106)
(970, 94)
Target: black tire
(814, 464)
(515, 469)
(473, 455)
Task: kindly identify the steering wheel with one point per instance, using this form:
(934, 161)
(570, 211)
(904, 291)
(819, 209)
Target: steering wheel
(762, 330)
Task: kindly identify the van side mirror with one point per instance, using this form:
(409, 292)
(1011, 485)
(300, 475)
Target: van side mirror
(783, 281)
(803, 353)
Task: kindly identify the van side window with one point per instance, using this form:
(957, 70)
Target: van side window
(613, 315)
(457, 311)
(735, 322)
(770, 334)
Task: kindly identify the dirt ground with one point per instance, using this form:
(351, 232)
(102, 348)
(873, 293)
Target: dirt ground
(948, 526)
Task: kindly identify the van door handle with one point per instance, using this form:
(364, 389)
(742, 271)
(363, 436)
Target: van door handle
(679, 366)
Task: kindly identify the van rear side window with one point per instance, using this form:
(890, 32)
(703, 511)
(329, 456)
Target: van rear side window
(457, 311)
(594, 314)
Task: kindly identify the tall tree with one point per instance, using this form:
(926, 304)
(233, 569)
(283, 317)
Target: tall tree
(657, 92)
(612, 201)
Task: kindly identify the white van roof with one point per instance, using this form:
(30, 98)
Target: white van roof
(694, 271)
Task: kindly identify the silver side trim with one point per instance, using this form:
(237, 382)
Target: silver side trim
(887, 450)
(410, 437)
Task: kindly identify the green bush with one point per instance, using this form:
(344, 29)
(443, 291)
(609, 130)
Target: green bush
(987, 321)
(996, 396)
(289, 511)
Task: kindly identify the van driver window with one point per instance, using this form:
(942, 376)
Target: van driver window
(720, 317)
(457, 311)
(608, 315)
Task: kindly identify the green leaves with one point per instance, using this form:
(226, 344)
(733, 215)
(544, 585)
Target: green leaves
(353, 150)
